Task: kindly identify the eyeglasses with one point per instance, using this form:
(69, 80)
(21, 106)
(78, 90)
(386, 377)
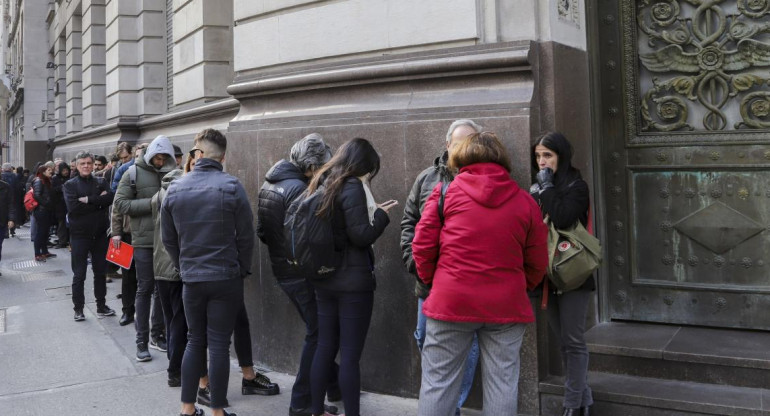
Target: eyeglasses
(193, 150)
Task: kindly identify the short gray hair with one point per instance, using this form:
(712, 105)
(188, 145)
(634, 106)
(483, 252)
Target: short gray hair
(84, 155)
(310, 152)
(7, 167)
(461, 122)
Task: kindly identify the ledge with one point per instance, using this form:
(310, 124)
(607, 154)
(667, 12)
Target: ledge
(390, 69)
(169, 119)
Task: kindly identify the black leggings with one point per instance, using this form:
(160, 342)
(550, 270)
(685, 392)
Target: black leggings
(343, 321)
(210, 309)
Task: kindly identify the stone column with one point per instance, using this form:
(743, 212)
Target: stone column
(74, 74)
(203, 50)
(94, 60)
(60, 87)
(136, 49)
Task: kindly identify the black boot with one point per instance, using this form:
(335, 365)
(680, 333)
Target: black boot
(570, 412)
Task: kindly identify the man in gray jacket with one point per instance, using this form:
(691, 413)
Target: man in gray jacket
(133, 198)
(423, 187)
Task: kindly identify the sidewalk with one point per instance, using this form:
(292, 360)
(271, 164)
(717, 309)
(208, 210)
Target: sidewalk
(52, 365)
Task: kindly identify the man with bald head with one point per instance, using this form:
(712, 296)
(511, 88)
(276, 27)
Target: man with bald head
(423, 186)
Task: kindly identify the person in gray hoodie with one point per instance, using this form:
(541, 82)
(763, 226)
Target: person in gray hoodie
(133, 198)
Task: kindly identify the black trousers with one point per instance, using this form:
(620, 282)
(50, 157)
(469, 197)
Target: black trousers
(81, 247)
(343, 322)
(211, 309)
(128, 284)
(170, 294)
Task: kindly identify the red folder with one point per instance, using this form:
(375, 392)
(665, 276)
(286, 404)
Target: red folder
(121, 256)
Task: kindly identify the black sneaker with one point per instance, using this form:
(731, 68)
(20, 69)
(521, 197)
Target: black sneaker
(259, 385)
(79, 315)
(104, 310)
(174, 380)
(332, 410)
(49, 255)
(141, 352)
(159, 343)
(198, 412)
(204, 397)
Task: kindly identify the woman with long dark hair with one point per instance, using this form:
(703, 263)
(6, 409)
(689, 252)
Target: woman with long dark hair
(563, 196)
(41, 186)
(345, 299)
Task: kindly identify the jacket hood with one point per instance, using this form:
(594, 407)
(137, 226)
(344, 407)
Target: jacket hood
(160, 145)
(284, 170)
(170, 177)
(63, 165)
(486, 183)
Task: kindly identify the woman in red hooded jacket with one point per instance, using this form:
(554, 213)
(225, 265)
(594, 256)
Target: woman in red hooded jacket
(490, 248)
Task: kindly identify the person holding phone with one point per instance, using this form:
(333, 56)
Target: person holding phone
(345, 299)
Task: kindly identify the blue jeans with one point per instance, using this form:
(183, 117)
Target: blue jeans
(470, 362)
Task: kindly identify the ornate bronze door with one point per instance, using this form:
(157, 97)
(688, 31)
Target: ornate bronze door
(685, 159)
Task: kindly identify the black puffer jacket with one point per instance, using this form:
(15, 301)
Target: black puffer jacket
(565, 205)
(8, 210)
(355, 235)
(423, 186)
(91, 219)
(284, 182)
(57, 193)
(42, 194)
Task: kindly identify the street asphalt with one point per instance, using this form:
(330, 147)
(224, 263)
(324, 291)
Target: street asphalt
(52, 365)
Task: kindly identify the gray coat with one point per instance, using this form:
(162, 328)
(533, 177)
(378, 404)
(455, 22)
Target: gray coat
(423, 186)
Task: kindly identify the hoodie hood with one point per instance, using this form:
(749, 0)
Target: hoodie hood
(486, 183)
(170, 177)
(62, 166)
(160, 145)
(284, 170)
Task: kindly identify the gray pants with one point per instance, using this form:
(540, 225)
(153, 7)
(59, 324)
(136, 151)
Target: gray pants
(443, 360)
(567, 318)
(147, 324)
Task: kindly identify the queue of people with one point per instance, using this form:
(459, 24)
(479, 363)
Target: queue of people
(192, 229)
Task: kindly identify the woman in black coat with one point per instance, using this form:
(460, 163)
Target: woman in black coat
(345, 299)
(43, 194)
(563, 195)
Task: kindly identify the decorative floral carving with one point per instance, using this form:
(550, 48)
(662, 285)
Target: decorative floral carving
(692, 260)
(706, 56)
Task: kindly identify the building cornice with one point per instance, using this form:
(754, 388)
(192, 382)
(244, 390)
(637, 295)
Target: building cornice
(389, 69)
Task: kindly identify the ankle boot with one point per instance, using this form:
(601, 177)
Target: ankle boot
(570, 412)
(585, 411)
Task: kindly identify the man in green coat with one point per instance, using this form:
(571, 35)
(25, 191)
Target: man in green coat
(133, 198)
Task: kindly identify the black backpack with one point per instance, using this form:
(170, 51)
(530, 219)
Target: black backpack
(309, 239)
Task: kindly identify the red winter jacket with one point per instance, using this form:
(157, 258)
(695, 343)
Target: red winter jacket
(491, 249)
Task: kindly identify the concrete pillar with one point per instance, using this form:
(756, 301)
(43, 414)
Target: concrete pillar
(136, 55)
(94, 64)
(60, 87)
(74, 74)
(203, 50)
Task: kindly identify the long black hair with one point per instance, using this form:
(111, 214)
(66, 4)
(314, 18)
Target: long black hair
(354, 158)
(557, 143)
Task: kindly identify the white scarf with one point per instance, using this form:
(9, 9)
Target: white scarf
(371, 205)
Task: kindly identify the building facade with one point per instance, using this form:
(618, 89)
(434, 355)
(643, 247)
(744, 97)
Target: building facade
(624, 80)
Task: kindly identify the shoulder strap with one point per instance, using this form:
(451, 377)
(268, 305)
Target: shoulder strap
(444, 187)
(132, 175)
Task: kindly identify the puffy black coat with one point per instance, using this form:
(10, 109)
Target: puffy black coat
(42, 194)
(284, 182)
(91, 219)
(57, 193)
(565, 205)
(354, 235)
(8, 211)
(423, 186)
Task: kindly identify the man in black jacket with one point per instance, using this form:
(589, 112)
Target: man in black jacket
(284, 182)
(423, 187)
(212, 256)
(60, 207)
(7, 211)
(11, 180)
(87, 200)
